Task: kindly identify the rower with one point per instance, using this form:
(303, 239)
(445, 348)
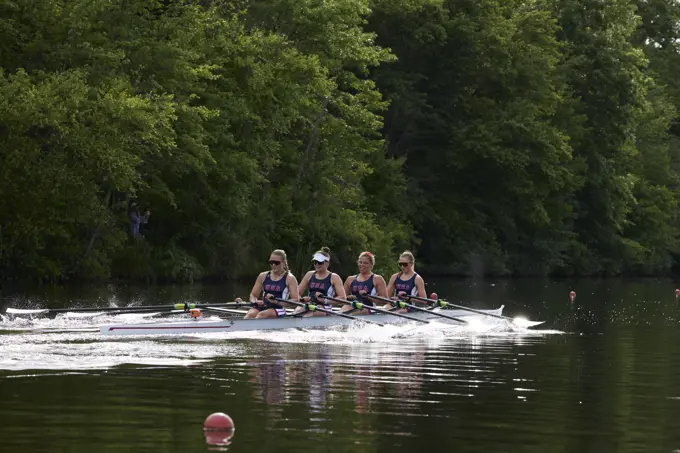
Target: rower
(321, 283)
(406, 282)
(278, 283)
(364, 284)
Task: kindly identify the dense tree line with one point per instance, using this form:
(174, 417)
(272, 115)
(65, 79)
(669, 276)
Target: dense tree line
(499, 137)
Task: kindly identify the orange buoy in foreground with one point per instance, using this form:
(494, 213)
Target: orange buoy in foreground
(572, 295)
(218, 429)
(218, 422)
(434, 296)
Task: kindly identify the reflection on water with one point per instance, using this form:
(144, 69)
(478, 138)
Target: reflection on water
(390, 380)
(271, 380)
(333, 371)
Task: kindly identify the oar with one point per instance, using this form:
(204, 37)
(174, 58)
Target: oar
(91, 314)
(186, 306)
(521, 322)
(230, 311)
(312, 307)
(402, 304)
(359, 306)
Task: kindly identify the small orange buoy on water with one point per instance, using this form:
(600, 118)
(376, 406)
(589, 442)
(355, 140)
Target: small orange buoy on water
(572, 295)
(195, 313)
(218, 429)
(677, 293)
(218, 421)
(434, 296)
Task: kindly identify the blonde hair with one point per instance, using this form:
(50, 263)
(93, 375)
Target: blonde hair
(325, 251)
(368, 255)
(410, 257)
(282, 254)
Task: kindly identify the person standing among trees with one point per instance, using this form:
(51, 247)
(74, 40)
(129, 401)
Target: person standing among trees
(136, 220)
(144, 221)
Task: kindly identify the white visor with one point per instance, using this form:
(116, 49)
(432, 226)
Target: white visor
(319, 257)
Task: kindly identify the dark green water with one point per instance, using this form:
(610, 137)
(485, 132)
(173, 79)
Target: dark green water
(601, 376)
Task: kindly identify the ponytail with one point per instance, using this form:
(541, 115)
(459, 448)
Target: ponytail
(407, 254)
(282, 254)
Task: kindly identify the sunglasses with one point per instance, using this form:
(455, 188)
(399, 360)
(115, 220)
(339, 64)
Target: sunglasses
(403, 264)
(274, 262)
(317, 263)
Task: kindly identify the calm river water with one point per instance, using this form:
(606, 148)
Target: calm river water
(601, 375)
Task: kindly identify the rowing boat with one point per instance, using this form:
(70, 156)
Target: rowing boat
(200, 325)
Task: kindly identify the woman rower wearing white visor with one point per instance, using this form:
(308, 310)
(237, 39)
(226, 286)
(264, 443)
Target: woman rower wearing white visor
(321, 283)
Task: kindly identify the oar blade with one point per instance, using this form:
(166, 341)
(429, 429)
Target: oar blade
(133, 316)
(525, 323)
(22, 311)
(77, 314)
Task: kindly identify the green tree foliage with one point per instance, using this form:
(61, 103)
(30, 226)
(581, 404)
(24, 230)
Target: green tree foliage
(240, 139)
(344, 192)
(535, 137)
(502, 137)
(66, 149)
(655, 217)
(474, 96)
(604, 71)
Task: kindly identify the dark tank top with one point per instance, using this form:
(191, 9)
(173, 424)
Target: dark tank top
(277, 288)
(323, 286)
(406, 286)
(356, 287)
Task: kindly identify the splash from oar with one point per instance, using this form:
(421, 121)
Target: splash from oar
(518, 321)
(402, 304)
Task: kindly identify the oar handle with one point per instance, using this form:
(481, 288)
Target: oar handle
(359, 305)
(396, 303)
(269, 301)
(354, 303)
(312, 307)
(385, 299)
(424, 299)
(342, 301)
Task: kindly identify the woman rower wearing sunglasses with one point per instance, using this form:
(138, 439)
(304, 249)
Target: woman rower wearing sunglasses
(278, 283)
(364, 284)
(406, 282)
(321, 283)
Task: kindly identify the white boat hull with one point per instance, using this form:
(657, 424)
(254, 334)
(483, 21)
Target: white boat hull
(241, 325)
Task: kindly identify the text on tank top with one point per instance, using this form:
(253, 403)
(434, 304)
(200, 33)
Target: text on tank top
(356, 287)
(406, 286)
(277, 288)
(323, 286)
